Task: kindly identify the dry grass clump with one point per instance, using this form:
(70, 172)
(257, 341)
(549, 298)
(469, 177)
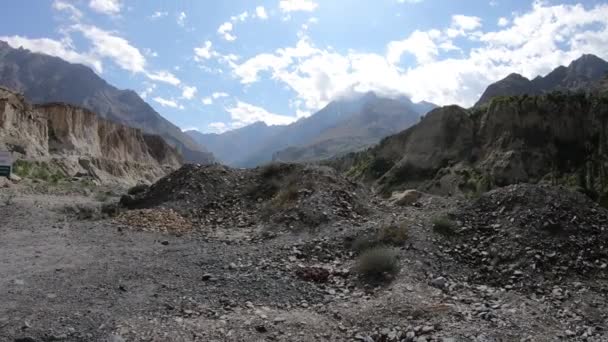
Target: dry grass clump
(444, 226)
(378, 264)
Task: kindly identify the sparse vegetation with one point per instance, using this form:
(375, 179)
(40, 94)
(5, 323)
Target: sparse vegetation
(83, 212)
(39, 170)
(444, 226)
(394, 235)
(378, 264)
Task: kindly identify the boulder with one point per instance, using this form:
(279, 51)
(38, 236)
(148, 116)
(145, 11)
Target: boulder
(15, 178)
(406, 198)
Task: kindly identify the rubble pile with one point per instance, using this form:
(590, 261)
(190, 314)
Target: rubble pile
(155, 220)
(529, 234)
(285, 194)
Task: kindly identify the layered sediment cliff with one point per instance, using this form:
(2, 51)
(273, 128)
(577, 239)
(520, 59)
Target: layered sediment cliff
(80, 142)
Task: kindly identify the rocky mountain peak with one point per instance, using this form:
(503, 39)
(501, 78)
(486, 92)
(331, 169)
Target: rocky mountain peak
(580, 75)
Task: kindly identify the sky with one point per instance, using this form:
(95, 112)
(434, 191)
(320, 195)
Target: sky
(216, 65)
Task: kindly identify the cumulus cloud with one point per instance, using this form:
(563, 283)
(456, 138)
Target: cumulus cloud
(181, 19)
(167, 103)
(118, 49)
(243, 113)
(164, 76)
(502, 21)
(204, 51)
(287, 6)
(74, 12)
(59, 48)
(216, 95)
(110, 7)
(225, 31)
(260, 12)
(217, 127)
(532, 43)
(159, 14)
(188, 92)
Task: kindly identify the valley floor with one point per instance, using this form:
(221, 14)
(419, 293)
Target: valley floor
(68, 279)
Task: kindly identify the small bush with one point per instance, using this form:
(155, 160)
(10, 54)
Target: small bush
(378, 264)
(394, 235)
(444, 226)
(83, 212)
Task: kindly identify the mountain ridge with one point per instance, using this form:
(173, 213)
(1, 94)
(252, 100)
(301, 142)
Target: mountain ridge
(579, 75)
(337, 122)
(43, 78)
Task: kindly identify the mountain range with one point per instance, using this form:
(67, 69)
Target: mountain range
(581, 74)
(344, 125)
(43, 78)
(552, 129)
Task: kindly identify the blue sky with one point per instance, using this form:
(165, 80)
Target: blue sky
(219, 65)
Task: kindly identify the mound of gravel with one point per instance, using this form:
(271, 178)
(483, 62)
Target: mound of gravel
(287, 194)
(528, 235)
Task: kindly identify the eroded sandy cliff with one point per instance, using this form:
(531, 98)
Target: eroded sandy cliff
(80, 142)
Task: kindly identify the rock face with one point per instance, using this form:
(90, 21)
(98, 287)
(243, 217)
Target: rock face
(557, 138)
(42, 79)
(581, 74)
(80, 142)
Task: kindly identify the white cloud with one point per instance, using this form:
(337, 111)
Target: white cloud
(218, 95)
(287, 6)
(188, 92)
(260, 12)
(244, 113)
(204, 51)
(502, 21)
(164, 76)
(181, 19)
(110, 7)
(167, 103)
(225, 29)
(61, 49)
(533, 43)
(217, 127)
(75, 13)
(116, 48)
(149, 89)
(409, 1)
(466, 23)
(241, 17)
(159, 14)
(420, 44)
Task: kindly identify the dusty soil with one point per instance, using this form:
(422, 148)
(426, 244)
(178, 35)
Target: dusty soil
(66, 277)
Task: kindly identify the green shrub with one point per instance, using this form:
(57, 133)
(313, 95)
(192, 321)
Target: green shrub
(378, 264)
(444, 226)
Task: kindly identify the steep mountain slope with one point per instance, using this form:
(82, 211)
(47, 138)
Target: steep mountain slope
(557, 138)
(72, 140)
(344, 125)
(379, 117)
(580, 74)
(42, 78)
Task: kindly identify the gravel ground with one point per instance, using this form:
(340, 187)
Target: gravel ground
(67, 279)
